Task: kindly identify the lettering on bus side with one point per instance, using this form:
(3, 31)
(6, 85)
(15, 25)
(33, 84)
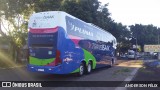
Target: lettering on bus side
(100, 47)
(48, 17)
(88, 44)
(44, 17)
(78, 28)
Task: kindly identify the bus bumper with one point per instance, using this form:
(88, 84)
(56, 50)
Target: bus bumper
(46, 69)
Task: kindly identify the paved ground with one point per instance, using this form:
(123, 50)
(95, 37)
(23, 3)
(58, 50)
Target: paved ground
(117, 73)
(147, 73)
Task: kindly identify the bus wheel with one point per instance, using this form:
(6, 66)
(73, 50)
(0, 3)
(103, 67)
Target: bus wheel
(81, 69)
(89, 67)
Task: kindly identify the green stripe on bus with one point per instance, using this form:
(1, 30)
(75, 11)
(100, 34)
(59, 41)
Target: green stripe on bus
(36, 61)
(75, 71)
(89, 56)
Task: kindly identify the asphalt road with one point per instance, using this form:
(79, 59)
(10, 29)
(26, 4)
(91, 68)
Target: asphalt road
(116, 73)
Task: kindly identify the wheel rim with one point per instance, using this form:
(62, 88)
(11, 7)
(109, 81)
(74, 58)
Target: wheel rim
(89, 68)
(81, 70)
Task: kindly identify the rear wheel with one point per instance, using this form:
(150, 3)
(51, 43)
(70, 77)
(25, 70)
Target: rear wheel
(89, 67)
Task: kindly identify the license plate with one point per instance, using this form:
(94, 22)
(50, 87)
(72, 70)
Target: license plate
(42, 70)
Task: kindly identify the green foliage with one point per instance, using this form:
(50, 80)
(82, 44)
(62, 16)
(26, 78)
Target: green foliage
(10, 8)
(3, 40)
(46, 5)
(13, 12)
(145, 34)
(85, 10)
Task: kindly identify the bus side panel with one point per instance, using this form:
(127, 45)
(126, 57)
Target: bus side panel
(96, 42)
(71, 54)
(102, 52)
(84, 50)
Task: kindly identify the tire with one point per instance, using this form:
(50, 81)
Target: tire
(81, 69)
(89, 68)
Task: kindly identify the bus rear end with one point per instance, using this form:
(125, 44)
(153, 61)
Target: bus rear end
(42, 41)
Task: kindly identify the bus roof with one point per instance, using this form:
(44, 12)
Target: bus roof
(52, 19)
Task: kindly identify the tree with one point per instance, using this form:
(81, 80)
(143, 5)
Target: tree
(15, 32)
(82, 9)
(46, 5)
(122, 35)
(145, 34)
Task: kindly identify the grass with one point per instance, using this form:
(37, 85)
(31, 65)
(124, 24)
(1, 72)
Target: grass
(146, 71)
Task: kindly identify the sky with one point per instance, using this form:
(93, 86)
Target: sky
(130, 12)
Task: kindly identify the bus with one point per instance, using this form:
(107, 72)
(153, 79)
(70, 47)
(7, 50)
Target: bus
(60, 43)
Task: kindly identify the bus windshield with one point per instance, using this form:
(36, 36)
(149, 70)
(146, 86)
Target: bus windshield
(45, 40)
(42, 45)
